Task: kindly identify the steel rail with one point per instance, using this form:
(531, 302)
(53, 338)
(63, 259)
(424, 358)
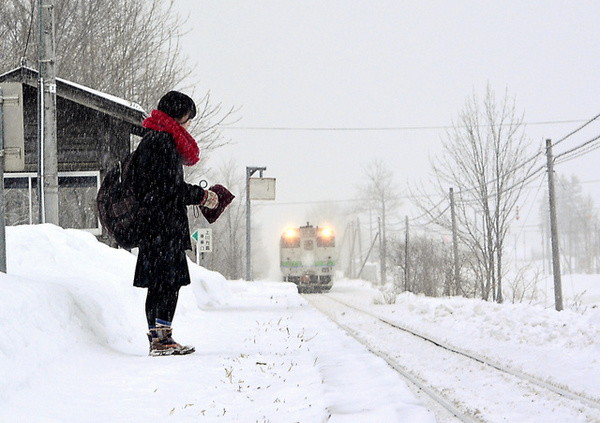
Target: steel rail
(551, 386)
(431, 392)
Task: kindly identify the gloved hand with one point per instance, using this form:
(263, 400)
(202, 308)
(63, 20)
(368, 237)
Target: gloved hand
(210, 200)
(225, 198)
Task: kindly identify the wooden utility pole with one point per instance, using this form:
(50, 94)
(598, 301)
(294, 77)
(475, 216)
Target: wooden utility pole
(47, 154)
(554, 235)
(350, 235)
(381, 254)
(407, 258)
(2, 211)
(361, 260)
(365, 260)
(455, 242)
(250, 171)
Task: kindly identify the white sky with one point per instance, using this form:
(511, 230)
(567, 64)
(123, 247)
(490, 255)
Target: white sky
(372, 64)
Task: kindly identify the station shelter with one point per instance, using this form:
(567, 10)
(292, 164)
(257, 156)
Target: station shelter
(94, 130)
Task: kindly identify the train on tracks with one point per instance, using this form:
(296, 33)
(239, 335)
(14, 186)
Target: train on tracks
(308, 257)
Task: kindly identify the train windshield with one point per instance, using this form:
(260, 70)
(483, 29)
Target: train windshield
(293, 242)
(325, 237)
(325, 241)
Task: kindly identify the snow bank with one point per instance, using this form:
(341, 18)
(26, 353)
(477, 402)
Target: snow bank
(64, 289)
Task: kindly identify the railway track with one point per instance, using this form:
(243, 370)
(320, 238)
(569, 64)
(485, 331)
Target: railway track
(458, 385)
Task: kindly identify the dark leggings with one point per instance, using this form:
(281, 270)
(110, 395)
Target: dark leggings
(161, 304)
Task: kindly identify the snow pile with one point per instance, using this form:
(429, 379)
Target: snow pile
(66, 291)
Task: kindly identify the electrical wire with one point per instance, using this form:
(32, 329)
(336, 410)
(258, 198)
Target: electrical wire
(377, 128)
(522, 228)
(575, 131)
(27, 42)
(526, 162)
(558, 156)
(433, 219)
(579, 153)
(568, 152)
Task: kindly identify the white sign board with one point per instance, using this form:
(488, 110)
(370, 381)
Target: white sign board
(205, 240)
(203, 237)
(14, 147)
(262, 188)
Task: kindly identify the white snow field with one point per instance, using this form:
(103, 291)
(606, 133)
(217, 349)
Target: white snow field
(73, 345)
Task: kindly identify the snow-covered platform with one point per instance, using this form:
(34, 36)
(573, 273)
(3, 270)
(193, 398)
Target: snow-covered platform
(75, 347)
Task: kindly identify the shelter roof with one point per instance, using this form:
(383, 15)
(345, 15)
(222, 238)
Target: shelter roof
(119, 108)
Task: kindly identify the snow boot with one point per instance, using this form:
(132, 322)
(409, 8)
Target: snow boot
(161, 342)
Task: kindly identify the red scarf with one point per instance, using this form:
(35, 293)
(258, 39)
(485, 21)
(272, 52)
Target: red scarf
(185, 143)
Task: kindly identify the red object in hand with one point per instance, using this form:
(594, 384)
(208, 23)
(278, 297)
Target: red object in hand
(225, 198)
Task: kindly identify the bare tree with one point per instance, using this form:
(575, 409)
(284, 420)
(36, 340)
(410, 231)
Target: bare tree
(128, 48)
(229, 231)
(486, 161)
(380, 196)
(431, 265)
(578, 222)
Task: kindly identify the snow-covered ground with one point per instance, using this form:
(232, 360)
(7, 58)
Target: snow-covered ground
(560, 347)
(74, 348)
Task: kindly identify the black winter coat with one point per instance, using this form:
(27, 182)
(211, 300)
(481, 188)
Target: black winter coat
(159, 186)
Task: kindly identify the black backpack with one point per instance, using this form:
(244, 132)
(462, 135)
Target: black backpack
(118, 210)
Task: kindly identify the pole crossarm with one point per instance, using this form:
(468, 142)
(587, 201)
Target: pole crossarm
(252, 169)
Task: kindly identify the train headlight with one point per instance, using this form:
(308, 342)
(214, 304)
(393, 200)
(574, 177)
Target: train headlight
(326, 232)
(290, 238)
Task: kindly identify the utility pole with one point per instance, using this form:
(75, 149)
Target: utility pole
(350, 235)
(455, 242)
(2, 204)
(365, 260)
(250, 171)
(47, 159)
(407, 258)
(359, 241)
(383, 258)
(554, 235)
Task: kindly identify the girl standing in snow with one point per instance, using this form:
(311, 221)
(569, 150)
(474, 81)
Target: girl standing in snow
(157, 168)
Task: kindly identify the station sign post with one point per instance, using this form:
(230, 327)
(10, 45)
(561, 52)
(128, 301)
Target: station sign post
(204, 242)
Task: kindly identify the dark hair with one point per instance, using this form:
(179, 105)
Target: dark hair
(176, 105)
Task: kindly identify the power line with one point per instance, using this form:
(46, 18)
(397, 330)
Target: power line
(571, 157)
(296, 203)
(378, 128)
(428, 212)
(558, 156)
(433, 219)
(526, 162)
(27, 42)
(576, 130)
(581, 153)
(522, 228)
(406, 197)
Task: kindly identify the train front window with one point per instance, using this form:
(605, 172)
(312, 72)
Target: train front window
(325, 237)
(290, 242)
(323, 241)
